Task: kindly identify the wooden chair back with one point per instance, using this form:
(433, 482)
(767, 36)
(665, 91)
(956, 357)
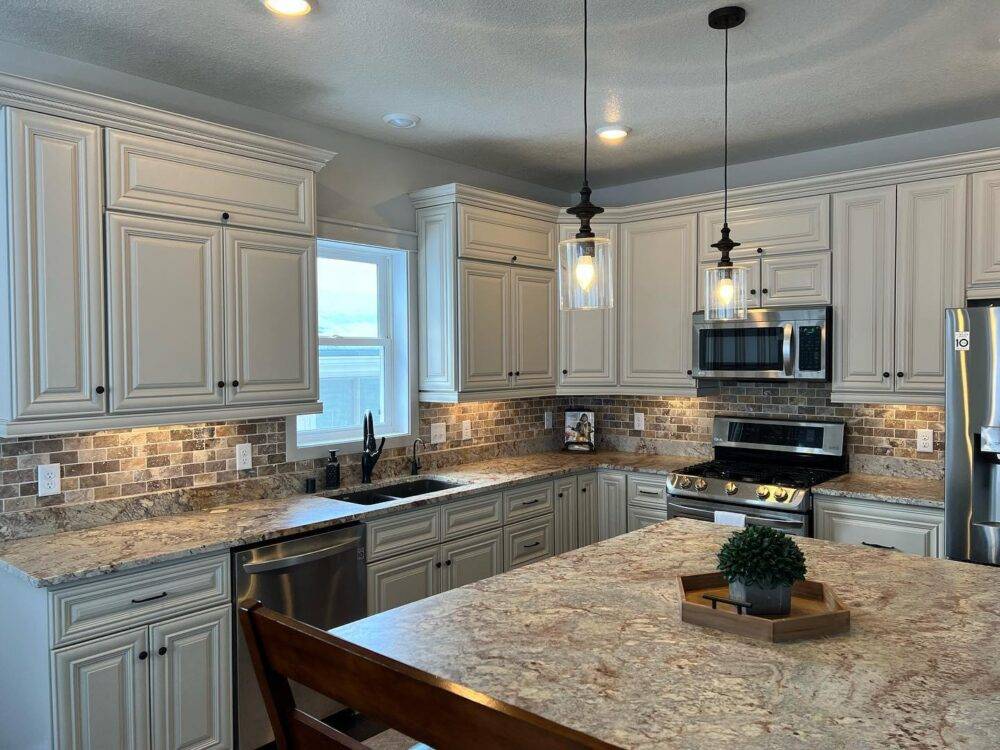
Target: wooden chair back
(438, 712)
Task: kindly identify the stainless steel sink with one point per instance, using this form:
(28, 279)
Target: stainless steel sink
(399, 491)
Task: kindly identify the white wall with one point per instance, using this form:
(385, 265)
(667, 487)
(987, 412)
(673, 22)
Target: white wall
(367, 182)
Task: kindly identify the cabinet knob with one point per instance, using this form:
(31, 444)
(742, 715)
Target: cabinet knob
(221, 384)
(899, 374)
(565, 372)
(559, 495)
(760, 249)
(753, 291)
(583, 489)
(513, 259)
(510, 374)
(236, 384)
(437, 565)
(143, 655)
(689, 372)
(225, 216)
(763, 291)
(447, 562)
(162, 650)
(886, 374)
(517, 374)
(99, 389)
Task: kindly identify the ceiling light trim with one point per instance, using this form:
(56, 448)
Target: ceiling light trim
(605, 132)
(305, 7)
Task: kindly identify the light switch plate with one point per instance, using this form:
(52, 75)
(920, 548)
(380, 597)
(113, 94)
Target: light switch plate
(925, 441)
(548, 420)
(437, 432)
(243, 457)
(467, 429)
(639, 420)
(49, 482)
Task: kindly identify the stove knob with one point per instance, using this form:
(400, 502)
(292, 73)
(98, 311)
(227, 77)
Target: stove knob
(763, 492)
(700, 485)
(781, 494)
(685, 482)
(731, 488)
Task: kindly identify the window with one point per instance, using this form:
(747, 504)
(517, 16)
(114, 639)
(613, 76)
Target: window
(364, 360)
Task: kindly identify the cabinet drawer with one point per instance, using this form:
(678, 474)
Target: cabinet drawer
(917, 531)
(397, 534)
(647, 490)
(470, 516)
(528, 541)
(149, 175)
(527, 502)
(639, 517)
(108, 605)
(506, 238)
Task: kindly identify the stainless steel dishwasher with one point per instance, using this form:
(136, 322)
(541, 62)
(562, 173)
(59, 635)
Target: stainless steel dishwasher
(318, 579)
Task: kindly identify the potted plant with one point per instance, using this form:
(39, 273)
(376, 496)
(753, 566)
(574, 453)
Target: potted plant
(761, 564)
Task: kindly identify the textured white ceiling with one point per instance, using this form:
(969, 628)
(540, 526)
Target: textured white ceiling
(497, 82)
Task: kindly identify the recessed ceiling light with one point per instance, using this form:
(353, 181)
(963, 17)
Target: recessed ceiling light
(613, 132)
(290, 7)
(401, 120)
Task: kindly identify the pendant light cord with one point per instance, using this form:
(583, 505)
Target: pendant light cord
(725, 137)
(586, 131)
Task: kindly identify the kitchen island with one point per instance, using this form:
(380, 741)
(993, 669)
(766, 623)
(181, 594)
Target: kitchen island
(593, 640)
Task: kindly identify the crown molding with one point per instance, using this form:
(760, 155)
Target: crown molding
(456, 192)
(138, 118)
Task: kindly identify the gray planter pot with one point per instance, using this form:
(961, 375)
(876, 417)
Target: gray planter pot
(764, 601)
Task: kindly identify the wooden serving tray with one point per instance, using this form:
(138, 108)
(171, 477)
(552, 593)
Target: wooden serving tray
(815, 612)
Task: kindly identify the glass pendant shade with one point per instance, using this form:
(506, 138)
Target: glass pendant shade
(725, 293)
(586, 274)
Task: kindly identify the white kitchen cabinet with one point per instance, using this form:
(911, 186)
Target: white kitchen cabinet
(567, 515)
(166, 309)
(51, 277)
(403, 579)
(586, 509)
(534, 296)
(588, 339)
(101, 693)
(528, 541)
(915, 530)
(485, 326)
(271, 351)
(930, 276)
(156, 176)
(191, 682)
(788, 226)
(502, 237)
(611, 504)
(657, 296)
(471, 559)
(795, 279)
(639, 516)
(983, 277)
(864, 289)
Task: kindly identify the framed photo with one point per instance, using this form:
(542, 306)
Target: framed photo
(580, 431)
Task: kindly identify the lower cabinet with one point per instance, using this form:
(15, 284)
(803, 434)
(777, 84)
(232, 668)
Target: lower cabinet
(914, 530)
(566, 513)
(470, 560)
(639, 516)
(611, 504)
(404, 579)
(586, 509)
(528, 541)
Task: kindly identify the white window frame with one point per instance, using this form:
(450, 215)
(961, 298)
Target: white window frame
(397, 338)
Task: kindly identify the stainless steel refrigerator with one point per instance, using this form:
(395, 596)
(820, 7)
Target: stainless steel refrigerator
(972, 434)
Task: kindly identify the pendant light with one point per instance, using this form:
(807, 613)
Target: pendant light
(726, 285)
(586, 277)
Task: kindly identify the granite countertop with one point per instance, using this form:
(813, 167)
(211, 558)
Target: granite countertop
(592, 639)
(927, 493)
(68, 556)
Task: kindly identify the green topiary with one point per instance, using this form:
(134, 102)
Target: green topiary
(762, 556)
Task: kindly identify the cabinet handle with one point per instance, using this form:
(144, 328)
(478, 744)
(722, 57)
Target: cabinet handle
(760, 249)
(583, 489)
(149, 598)
(647, 492)
(878, 546)
(225, 216)
(886, 374)
(513, 259)
(99, 390)
(688, 372)
(236, 384)
(221, 384)
(533, 544)
(510, 374)
(532, 502)
(753, 292)
(517, 373)
(565, 372)
(437, 565)
(899, 374)
(763, 291)
(447, 562)
(559, 495)
(143, 655)
(162, 650)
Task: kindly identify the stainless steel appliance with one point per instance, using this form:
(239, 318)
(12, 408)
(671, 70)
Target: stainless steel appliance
(972, 434)
(764, 469)
(788, 343)
(318, 579)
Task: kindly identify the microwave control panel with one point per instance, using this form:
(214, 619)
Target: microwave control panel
(810, 348)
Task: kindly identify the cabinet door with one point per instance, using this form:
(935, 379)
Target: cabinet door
(752, 267)
(566, 515)
(165, 301)
(799, 279)
(639, 517)
(916, 531)
(502, 237)
(586, 510)
(191, 682)
(471, 559)
(56, 266)
(930, 276)
(588, 339)
(101, 693)
(528, 541)
(864, 288)
(404, 579)
(657, 299)
(611, 505)
(984, 256)
(271, 353)
(534, 306)
(484, 326)
(776, 227)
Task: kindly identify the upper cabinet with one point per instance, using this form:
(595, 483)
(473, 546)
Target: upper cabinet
(154, 176)
(788, 226)
(485, 234)
(983, 279)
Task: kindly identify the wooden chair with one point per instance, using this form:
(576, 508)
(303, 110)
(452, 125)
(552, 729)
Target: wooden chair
(439, 712)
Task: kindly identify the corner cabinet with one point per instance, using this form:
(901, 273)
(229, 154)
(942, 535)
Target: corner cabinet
(880, 525)
(983, 267)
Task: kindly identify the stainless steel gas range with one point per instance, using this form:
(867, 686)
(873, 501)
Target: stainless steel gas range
(764, 469)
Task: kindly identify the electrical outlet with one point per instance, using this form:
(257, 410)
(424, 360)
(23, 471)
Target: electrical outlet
(49, 482)
(243, 459)
(467, 429)
(639, 420)
(925, 441)
(437, 432)
(548, 420)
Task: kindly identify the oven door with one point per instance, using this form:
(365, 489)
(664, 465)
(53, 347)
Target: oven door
(796, 524)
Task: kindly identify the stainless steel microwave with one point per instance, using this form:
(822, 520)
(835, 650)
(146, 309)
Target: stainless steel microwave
(788, 343)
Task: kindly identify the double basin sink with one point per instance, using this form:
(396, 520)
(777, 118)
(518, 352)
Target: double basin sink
(399, 491)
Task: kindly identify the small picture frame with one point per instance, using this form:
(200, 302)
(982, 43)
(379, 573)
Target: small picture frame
(580, 433)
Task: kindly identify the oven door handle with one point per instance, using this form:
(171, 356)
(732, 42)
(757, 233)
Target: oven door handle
(697, 512)
(751, 519)
(282, 563)
(766, 521)
(788, 360)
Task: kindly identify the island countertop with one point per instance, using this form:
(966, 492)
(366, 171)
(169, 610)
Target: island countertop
(592, 639)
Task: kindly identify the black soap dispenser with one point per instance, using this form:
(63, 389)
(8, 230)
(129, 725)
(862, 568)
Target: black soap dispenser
(333, 471)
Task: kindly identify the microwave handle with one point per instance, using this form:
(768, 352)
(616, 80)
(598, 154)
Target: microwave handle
(788, 358)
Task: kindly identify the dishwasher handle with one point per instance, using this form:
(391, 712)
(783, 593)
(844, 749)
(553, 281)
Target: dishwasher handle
(283, 563)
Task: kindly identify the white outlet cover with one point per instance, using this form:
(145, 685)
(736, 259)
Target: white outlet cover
(925, 441)
(467, 429)
(49, 482)
(548, 420)
(244, 458)
(437, 432)
(639, 420)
